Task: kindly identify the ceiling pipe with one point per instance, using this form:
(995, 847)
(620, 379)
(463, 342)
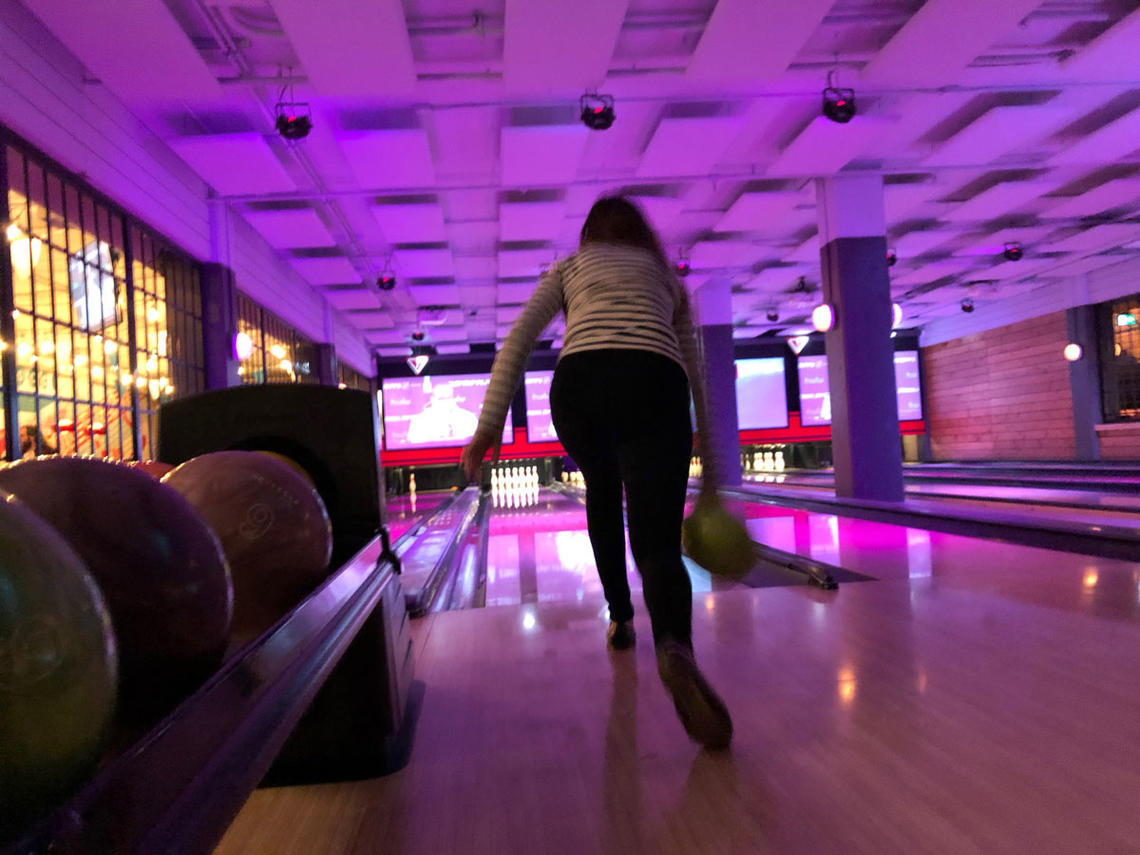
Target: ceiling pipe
(237, 56)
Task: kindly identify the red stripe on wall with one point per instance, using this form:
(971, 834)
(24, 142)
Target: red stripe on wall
(520, 448)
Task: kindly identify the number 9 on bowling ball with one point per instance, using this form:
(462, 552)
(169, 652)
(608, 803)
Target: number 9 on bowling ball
(273, 528)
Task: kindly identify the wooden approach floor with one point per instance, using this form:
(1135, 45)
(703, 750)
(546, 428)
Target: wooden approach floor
(981, 713)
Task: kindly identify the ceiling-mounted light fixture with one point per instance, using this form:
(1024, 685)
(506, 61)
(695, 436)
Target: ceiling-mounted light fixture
(892, 258)
(967, 305)
(1013, 251)
(293, 118)
(823, 317)
(242, 346)
(896, 315)
(773, 315)
(838, 103)
(387, 279)
(597, 111)
(1073, 352)
(682, 265)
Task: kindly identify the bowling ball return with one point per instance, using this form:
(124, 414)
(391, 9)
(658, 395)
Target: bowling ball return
(326, 694)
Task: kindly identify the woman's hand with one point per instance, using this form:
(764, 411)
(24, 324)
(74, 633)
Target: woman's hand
(471, 458)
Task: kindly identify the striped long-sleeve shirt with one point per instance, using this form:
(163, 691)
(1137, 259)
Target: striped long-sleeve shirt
(614, 296)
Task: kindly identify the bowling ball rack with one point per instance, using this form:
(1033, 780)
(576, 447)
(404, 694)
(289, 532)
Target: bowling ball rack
(463, 510)
(465, 586)
(177, 790)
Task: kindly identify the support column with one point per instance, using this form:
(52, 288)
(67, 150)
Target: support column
(326, 365)
(714, 313)
(326, 352)
(1084, 382)
(219, 326)
(865, 440)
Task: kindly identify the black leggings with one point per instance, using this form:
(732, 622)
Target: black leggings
(623, 415)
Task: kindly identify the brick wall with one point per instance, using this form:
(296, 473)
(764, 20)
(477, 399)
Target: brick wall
(1120, 441)
(1002, 394)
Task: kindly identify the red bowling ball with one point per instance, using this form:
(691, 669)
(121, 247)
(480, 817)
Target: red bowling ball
(273, 528)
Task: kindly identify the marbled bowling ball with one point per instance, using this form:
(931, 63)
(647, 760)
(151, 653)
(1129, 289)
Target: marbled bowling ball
(717, 540)
(160, 567)
(272, 525)
(58, 668)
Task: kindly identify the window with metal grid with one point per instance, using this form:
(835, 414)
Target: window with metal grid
(279, 354)
(1121, 360)
(349, 378)
(101, 322)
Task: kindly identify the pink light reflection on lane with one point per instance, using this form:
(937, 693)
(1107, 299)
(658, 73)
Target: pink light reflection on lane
(503, 569)
(565, 569)
(1065, 580)
(400, 514)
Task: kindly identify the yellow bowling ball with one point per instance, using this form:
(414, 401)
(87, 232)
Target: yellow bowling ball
(717, 540)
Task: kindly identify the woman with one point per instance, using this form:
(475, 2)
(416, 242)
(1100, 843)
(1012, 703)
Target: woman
(620, 404)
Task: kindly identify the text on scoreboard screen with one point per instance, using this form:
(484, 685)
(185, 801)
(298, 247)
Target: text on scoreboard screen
(434, 411)
(761, 395)
(539, 425)
(815, 390)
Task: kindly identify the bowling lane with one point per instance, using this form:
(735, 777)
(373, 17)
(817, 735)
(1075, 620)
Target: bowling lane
(1099, 586)
(542, 553)
(403, 511)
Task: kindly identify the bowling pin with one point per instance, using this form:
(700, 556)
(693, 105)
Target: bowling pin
(779, 461)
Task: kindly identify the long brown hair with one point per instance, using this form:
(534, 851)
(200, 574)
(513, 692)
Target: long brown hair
(615, 219)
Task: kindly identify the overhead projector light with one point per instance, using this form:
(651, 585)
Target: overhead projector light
(597, 111)
(838, 103)
(294, 119)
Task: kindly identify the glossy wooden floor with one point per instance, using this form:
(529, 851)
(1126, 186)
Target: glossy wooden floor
(944, 714)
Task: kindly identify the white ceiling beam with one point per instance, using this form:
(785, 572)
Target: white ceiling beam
(755, 39)
(941, 39)
(135, 47)
(350, 48)
(999, 130)
(824, 147)
(554, 46)
(1113, 55)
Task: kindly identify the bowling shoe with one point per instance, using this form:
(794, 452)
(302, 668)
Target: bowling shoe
(620, 635)
(702, 712)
